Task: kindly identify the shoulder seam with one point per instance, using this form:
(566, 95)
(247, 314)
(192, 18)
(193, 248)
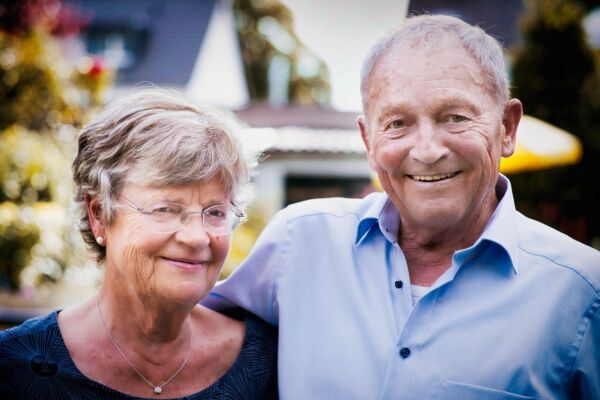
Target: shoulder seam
(277, 278)
(576, 271)
(317, 213)
(584, 326)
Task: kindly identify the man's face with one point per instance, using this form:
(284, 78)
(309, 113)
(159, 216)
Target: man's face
(434, 136)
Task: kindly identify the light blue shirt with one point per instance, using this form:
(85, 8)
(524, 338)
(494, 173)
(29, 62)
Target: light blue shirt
(515, 317)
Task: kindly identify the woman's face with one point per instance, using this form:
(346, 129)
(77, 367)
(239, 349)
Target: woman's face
(179, 267)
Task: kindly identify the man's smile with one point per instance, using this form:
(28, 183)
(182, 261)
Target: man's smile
(433, 178)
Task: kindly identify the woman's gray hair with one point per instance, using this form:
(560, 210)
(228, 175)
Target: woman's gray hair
(429, 32)
(155, 137)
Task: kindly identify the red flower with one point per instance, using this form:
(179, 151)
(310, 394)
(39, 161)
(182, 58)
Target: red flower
(96, 69)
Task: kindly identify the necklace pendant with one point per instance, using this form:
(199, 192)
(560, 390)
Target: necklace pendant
(157, 390)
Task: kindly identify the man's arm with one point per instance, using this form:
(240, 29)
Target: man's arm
(253, 285)
(585, 383)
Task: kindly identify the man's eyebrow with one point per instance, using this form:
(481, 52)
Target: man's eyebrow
(457, 102)
(391, 109)
(440, 105)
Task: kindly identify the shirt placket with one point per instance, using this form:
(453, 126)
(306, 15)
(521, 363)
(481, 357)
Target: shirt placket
(397, 384)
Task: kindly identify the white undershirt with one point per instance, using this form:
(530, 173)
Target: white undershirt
(418, 292)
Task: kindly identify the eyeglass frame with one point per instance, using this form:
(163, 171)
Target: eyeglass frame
(241, 217)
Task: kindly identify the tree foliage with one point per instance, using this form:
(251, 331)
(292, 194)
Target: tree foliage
(265, 29)
(43, 99)
(557, 77)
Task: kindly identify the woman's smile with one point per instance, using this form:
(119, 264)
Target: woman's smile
(186, 263)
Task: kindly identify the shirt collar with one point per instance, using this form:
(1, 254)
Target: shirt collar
(500, 229)
(376, 215)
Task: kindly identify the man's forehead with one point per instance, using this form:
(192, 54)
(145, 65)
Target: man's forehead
(432, 61)
(433, 67)
(425, 46)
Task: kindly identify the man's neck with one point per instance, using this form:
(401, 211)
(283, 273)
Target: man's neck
(426, 263)
(429, 253)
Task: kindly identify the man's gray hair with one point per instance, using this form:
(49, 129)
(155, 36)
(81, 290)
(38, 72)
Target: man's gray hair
(155, 137)
(427, 32)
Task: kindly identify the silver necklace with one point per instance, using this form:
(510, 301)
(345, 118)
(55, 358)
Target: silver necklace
(157, 388)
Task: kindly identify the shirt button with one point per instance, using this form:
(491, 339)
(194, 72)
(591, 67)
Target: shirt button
(398, 284)
(404, 352)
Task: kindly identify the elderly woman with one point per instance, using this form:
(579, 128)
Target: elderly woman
(160, 184)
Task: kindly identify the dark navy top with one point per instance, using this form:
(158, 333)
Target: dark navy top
(35, 364)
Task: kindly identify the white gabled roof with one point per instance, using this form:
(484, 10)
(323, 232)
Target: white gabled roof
(294, 139)
(300, 139)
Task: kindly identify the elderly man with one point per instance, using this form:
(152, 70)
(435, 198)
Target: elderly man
(437, 288)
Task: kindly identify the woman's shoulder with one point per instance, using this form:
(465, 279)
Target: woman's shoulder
(241, 327)
(33, 326)
(256, 330)
(255, 367)
(260, 331)
(27, 352)
(33, 340)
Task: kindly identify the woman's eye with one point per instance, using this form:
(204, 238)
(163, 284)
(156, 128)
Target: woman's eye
(397, 124)
(216, 213)
(167, 209)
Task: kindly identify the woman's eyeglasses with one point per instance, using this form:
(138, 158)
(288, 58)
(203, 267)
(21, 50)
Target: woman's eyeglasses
(217, 220)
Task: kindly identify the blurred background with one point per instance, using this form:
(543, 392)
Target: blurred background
(289, 70)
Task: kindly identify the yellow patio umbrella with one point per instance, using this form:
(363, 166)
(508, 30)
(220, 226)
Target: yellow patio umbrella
(540, 146)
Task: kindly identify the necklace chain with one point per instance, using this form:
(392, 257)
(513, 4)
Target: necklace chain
(157, 388)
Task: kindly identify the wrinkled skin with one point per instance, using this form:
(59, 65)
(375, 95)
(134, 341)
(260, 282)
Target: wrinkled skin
(177, 268)
(435, 135)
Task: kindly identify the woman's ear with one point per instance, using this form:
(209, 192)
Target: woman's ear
(94, 211)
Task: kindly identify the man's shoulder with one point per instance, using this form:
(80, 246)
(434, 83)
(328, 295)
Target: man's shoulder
(332, 206)
(539, 240)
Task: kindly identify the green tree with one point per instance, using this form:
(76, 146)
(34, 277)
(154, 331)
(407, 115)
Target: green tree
(43, 99)
(556, 75)
(268, 42)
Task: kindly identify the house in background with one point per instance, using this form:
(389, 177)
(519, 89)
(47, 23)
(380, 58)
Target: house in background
(193, 46)
(188, 45)
(310, 152)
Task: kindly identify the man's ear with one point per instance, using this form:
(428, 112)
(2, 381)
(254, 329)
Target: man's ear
(364, 134)
(94, 211)
(513, 110)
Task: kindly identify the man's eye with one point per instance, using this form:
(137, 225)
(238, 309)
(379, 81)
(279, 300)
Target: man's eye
(457, 118)
(397, 124)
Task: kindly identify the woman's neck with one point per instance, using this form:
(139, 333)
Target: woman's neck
(145, 326)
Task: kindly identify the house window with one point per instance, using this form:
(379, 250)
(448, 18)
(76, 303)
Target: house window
(298, 188)
(591, 23)
(119, 45)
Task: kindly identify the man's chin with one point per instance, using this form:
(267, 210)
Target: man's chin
(433, 219)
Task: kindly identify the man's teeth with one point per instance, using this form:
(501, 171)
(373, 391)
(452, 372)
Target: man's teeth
(428, 178)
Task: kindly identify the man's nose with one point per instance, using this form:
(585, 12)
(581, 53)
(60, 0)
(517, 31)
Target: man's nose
(428, 146)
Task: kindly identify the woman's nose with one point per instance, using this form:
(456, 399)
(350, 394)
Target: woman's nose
(193, 232)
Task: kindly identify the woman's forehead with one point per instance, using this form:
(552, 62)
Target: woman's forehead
(202, 191)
